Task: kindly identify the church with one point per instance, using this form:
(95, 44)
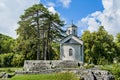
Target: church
(71, 54)
(71, 47)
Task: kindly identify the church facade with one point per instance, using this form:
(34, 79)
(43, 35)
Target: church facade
(71, 47)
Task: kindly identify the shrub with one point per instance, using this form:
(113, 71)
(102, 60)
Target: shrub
(102, 61)
(9, 70)
(18, 60)
(6, 59)
(88, 66)
(114, 69)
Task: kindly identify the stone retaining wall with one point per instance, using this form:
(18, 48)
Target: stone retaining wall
(38, 65)
(87, 74)
(48, 67)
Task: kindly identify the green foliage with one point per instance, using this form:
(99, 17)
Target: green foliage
(37, 31)
(6, 44)
(11, 59)
(102, 61)
(18, 60)
(9, 69)
(114, 69)
(55, 51)
(57, 76)
(117, 42)
(99, 46)
(118, 37)
(6, 59)
(88, 66)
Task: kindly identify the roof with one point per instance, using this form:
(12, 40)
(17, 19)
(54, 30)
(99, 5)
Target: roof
(72, 25)
(71, 37)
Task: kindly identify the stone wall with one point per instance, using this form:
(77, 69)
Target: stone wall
(77, 52)
(95, 75)
(38, 65)
(84, 74)
(55, 66)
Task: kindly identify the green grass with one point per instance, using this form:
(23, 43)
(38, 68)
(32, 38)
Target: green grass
(33, 77)
(9, 69)
(57, 76)
(114, 69)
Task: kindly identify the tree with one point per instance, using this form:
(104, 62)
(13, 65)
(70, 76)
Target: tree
(38, 29)
(6, 44)
(86, 37)
(106, 46)
(6, 60)
(117, 42)
(98, 46)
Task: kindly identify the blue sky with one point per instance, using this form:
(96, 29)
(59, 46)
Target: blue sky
(76, 9)
(86, 14)
(79, 9)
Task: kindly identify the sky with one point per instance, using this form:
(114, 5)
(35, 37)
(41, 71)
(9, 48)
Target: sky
(86, 14)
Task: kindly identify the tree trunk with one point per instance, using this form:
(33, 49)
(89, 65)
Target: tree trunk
(38, 34)
(48, 42)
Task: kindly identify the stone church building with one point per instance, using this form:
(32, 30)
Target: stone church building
(71, 47)
(71, 55)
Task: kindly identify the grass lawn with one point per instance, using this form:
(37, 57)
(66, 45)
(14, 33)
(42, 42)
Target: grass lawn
(9, 69)
(57, 76)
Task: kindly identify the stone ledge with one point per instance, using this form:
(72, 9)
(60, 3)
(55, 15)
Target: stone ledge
(37, 65)
(87, 74)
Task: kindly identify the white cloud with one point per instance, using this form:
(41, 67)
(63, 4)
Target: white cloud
(52, 9)
(109, 18)
(51, 4)
(90, 22)
(10, 10)
(65, 3)
(2, 5)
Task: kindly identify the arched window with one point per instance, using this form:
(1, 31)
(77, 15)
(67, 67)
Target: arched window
(70, 52)
(69, 32)
(74, 31)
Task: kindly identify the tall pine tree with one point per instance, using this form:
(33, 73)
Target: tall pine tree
(38, 28)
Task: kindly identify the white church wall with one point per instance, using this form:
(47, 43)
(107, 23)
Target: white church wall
(76, 52)
(72, 30)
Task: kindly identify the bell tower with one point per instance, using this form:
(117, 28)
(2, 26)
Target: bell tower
(72, 30)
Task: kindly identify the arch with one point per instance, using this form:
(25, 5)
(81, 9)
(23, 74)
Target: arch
(70, 52)
(69, 32)
(74, 32)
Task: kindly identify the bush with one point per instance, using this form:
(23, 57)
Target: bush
(18, 60)
(11, 59)
(9, 69)
(6, 59)
(114, 69)
(88, 66)
(102, 61)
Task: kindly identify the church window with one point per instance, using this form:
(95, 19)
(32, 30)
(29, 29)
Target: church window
(70, 52)
(68, 31)
(74, 32)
